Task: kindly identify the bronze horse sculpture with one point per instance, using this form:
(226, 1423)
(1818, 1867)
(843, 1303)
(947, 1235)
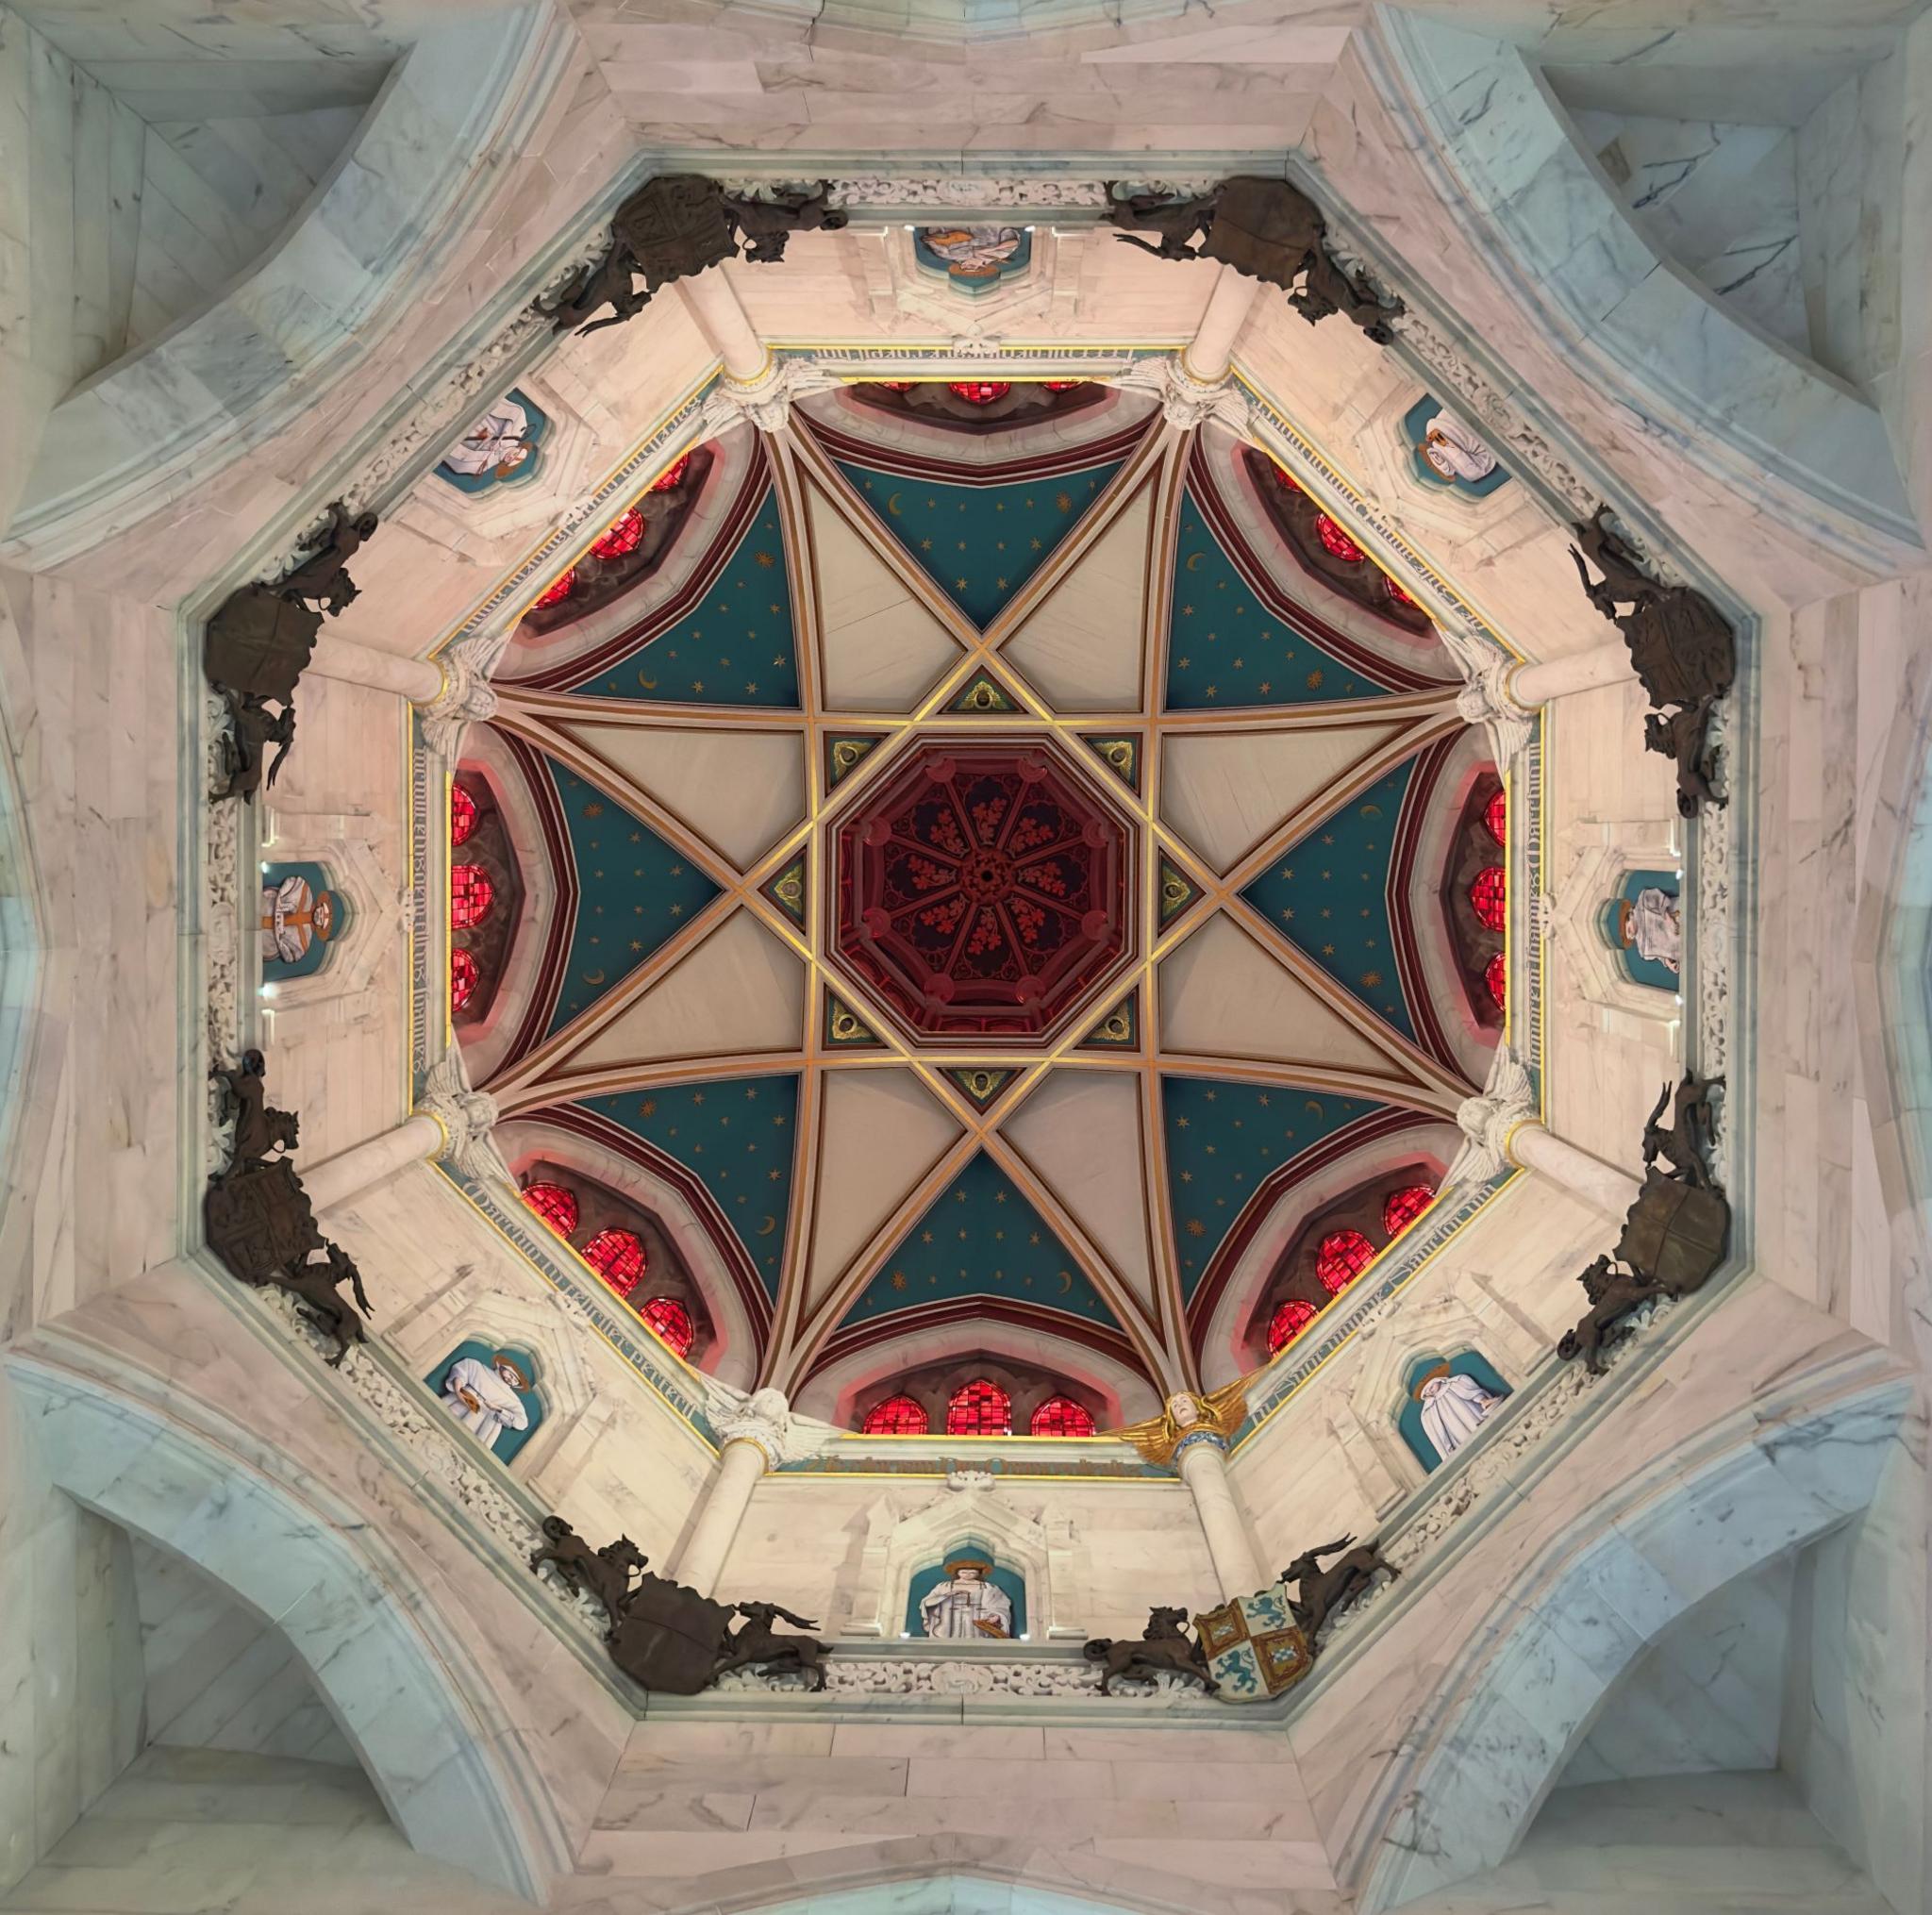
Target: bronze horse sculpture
(1165, 1646)
(605, 1574)
(757, 1644)
(1321, 1594)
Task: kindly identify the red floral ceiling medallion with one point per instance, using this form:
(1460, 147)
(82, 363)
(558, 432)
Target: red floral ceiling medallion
(983, 892)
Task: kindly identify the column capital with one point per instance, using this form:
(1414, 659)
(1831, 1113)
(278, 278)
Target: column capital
(1489, 699)
(1488, 1122)
(466, 693)
(765, 399)
(765, 1420)
(467, 1118)
(1200, 1440)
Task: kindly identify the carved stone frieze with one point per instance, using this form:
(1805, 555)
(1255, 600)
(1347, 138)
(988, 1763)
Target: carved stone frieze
(867, 1675)
(971, 191)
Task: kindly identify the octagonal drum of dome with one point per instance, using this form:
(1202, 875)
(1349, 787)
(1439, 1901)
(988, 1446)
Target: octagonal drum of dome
(985, 892)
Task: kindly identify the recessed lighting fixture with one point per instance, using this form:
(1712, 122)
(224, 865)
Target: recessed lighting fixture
(268, 990)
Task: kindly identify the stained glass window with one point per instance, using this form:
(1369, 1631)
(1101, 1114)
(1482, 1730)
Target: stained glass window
(1282, 479)
(618, 1258)
(556, 593)
(897, 1416)
(1060, 1416)
(623, 536)
(1400, 1209)
(555, 1205)
(1340, 1257)
(463, 815)
(1496, 975)
(670, 479)
(1401, 597)
(1288, 1323)
(1488, 896)
(470, 894)
(1496, 816)
(672, 1322)
(1336, 541)
(1065, 385)
(978, 391)
(981, 1408)
(462, 980)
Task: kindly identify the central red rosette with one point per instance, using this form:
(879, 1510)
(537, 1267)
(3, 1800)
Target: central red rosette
(982, 891)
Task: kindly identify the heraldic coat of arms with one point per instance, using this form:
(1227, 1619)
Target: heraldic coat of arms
(1254, 1647)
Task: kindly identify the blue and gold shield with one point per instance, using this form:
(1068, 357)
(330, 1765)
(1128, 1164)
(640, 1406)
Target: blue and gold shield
(1254, 1648)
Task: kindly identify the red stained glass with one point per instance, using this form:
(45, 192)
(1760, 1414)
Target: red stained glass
(1400, 1209)
(618, 1258)
(555, 1205)
(672, 1322)
(978, 391)
(1401, 597)
(897, 1416)
(982, 1408)
(1342, 1256)
(1065, 385)
(557, 592)
(1496, 975)
(622, 536)
(669, 480)
(1488, 896)
(1060, 1416)
(462, 980)
(1288, 1323)
(1282, 479)
(1336, 541)
(470, 895)
(1496, 816)
(898, 385)
(463, 815)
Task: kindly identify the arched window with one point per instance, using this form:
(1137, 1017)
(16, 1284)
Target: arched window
(671, 1321)
(1065, 385)
(1337, 543)
(462, 980)
(556, 593)
(463, 815)
(1401, 597)
(1496, 816)
(1488, 896)
(1496, 975)
(1342, 1256)
(1060, 1416)
(978, 391)
(982, 1408)
(1283, 480)
(618, 1258)
(1402, 1208)
(1288, 1323)
(470, 894)
(897, 1416)
(555, 1205)
(625, 535)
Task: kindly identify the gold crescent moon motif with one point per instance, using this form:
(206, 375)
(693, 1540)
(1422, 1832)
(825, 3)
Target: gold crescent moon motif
(1066, 1281)
(769, 1224)
(1192, 559)
(893, 505)
(1371, 810)
(1314, 1103)
(594, 977)
(649, 684)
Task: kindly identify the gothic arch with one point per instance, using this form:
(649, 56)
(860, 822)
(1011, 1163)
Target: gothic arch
(371, 1648)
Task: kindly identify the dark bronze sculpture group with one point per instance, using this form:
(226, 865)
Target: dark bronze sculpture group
(1682, 646)
(1267, 229)
(258, 642)
(668, 1637)
(673, 227)
(259, 1220)
(1677, 1232)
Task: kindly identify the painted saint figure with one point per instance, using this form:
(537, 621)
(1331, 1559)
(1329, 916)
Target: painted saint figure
(966, 1606)
(1454, 1408)
(295, 917)
(495, 445)
(1453, 451)
(1652, 925)
(483, 1397)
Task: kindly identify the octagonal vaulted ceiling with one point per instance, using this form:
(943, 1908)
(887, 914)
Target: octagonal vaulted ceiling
(981, 881)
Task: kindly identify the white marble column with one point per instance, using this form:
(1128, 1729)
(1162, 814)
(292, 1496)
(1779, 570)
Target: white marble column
(1501, 1127)
(450, 692)
(452, 1121)
(1209, 354)
(742, 1461)
(355, 663)
(722, 321)
(1535, 1147)
(1202, 1457)
(1538, 683)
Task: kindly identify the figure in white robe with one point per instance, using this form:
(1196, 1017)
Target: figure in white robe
(483, 1397)
(1454, 1408)
(495, 445)
(1653, 927)
(966, 1607)
(1452, 450)
(293, 916)
(972, 252)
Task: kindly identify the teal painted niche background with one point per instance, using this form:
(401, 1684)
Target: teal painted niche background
(508, 1441)
(1639, 969)
(301, 923)
(1409, 1420)
(926, 1580)
(1415, 430)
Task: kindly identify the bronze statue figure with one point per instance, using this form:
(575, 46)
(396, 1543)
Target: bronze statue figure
(1164, 1646)
(260, 1131)
(674, 227)
(316, 1287)
(605, 1574)
(1682, 646)
(1685, 1142)
(757, 1644)
(253, 727)
(322, 578)
(1321, 1594)
(1613, 1293)
(1266, 228)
